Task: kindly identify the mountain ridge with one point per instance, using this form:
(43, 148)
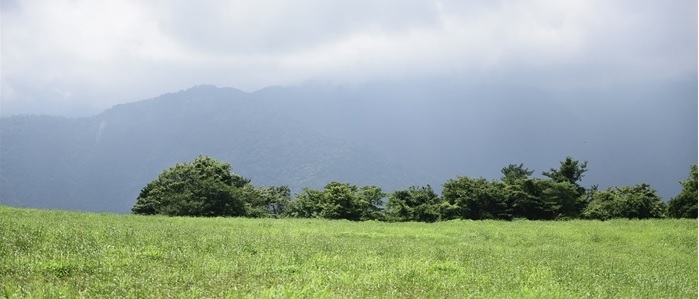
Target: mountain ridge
(390, 135)
(131, 143)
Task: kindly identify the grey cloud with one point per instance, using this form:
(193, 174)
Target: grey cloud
(97, 54)
(276, 27)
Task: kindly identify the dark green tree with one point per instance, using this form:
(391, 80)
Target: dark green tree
(269, 201)
(339, 201)
(469, 198)
(570, 170)
(204, 187)
(524, 194)
(562, 198)
(414, 204)
(513, 173)
(527, 200)
(684, 205)
(566, 204)
(538, 199)
(637, 202)
(371, 203)
(308, 204)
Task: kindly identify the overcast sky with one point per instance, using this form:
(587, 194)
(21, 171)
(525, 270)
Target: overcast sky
(79, 57)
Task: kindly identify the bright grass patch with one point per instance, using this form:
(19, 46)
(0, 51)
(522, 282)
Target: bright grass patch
(73, 254)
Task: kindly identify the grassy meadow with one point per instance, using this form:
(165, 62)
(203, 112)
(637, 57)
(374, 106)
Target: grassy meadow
(55, 254)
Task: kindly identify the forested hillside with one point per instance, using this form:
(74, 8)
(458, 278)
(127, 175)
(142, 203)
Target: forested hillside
(101, 163)
(387, 135)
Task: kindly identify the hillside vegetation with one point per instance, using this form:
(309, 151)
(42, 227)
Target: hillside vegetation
(391, 136)
(100, 163)
(47, 254)
(206, 187)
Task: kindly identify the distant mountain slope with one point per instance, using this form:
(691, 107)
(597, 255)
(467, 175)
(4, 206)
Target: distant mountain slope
(629, 134)
(101, 163)
(393, 135)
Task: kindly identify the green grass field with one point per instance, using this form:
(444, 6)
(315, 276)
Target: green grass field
(52, 254)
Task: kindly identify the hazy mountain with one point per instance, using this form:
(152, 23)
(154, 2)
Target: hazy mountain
(389, 134)
(101, 163)
(629, 135)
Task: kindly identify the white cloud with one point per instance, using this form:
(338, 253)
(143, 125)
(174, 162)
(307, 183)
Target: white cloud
(98, 53)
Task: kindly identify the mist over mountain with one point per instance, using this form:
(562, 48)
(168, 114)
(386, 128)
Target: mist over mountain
(390, 134)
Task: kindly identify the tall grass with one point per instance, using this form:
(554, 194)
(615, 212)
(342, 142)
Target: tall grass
(51, 254)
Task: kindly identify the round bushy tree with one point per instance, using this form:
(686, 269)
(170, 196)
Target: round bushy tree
(338, 201)
(204, 187)
(684, 205)
(639, 202)
(414, 204)
(474, 198)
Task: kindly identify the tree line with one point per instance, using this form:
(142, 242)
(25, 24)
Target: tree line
(208, 188)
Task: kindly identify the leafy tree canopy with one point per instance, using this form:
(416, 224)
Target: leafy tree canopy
(639, 202)
(339, 201)
(414, 204)
(570, 170)
(204, 187)
(513, 172)
(476, 198)
(684, 205)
